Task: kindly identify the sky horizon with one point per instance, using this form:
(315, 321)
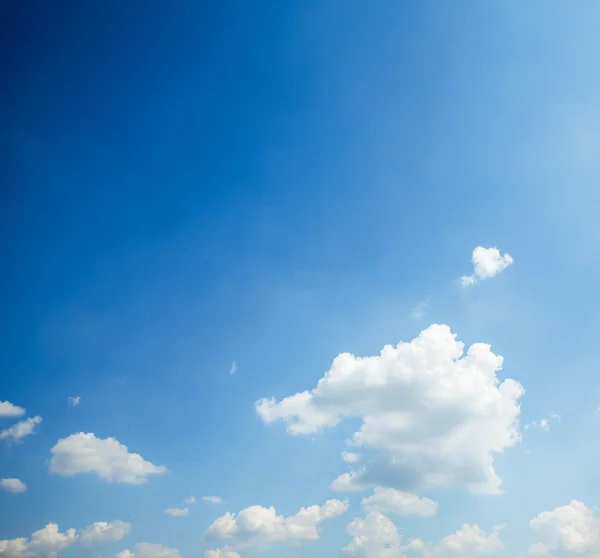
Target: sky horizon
(292, 280)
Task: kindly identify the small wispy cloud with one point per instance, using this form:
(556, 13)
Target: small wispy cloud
(543, 424)
(233, 368)
(74, 401)
(213, 499)
(177, 512)
(420, 309)
(20, 429)
(350, 457)
(487, 263)
(190, 500)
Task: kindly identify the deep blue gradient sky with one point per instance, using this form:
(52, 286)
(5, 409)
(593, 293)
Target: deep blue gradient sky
(186, 184)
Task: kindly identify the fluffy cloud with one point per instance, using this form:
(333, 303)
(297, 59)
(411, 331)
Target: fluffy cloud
(20, 429)
(13, 485)
(14, 548)
(101, 533)
(258, 525)
(434, 415)
(74, 401)
(148, 550)
(190, 500)
(49, 541)
(415, 545)
(347, 482)
(376, 536)
(177, 512)
(389, 500)
(233, 368)
(373, 537)
(487, 262)
(470, 540)
(107, 458)
(45, 542)
(226, 552)
(7, 409)
(212, 499)
(573, 528)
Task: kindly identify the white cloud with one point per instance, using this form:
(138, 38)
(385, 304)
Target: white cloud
(7, 409)
(257, 525)
(177, 512)
(43, 543)
(107, 458)
(49, 541)
(572, 528)
(74, 401)
(233, 368)
(470, 540)
(415, 545)
(213, 499)
(389, 500)
(487, 262)
(14, 548)
(149, 550)
(373, 537)
(434, 415)
(226, 552)
(376, 536)
(13, 485)
(350, 457)
(20, 429)
(101, 533)
(190, 500)
(347, 482)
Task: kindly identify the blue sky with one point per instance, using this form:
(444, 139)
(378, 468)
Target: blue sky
(187, 185)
